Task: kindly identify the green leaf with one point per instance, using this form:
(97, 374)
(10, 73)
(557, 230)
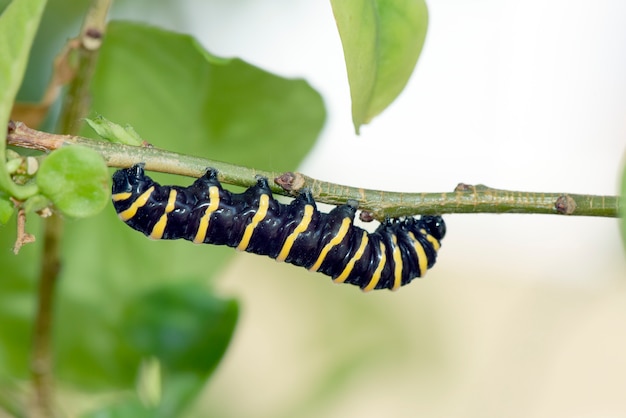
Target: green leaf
(128, 408)
(17, 302)
(36, 203)
(6, 209)
(113, 132)
(149, 382)
(382, 40)
(76, 180)
(183, 326)
(175, 401)
(186, 330)
(18, 26)
(179, 392)
(180, 97)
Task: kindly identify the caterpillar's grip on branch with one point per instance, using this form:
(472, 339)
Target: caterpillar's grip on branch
(297, 233)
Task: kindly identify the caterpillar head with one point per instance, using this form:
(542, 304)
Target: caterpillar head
(435, 226)
(131, 179)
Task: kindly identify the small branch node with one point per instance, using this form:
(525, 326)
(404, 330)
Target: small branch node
(463, 187)
(366, 216)
(22, 237)
(290, 181)
(11, 127)
(565, 205)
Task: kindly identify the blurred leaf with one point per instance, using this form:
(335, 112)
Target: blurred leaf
(76, 180)
(13, 164)
(36, 203)
(18, 26)
(183, 326)
(125, 330)
(17, 301)
(180, 97)
(4, 4)
(6, 209)
(179, 392)
(12, 399)
(382, 40)
(187, 330)
(128, 408)
(149, 382)
(182, 389)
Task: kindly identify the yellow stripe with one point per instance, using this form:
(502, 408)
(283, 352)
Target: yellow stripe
(203, 227)
(302, 226)
(339, 236)
(159, 227)
(171, 201)
(258, 217)
(121, 196)
(379, 269)
(422, 260)
(356, 257)
(138, 203)
(397, 261)
(436, 244)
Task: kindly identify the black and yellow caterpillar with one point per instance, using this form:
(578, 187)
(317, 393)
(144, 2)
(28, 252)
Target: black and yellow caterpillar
(298, 233)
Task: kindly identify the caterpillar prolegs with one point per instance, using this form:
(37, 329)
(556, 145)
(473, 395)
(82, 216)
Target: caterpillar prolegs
(297, 233)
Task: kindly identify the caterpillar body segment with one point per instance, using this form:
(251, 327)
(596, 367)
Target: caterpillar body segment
(398, 251)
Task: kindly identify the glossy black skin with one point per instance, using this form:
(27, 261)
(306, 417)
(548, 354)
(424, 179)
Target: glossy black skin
(235, 212)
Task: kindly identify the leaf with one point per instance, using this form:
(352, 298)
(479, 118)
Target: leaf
(182, 325)
(180, 97)
(113, 132)
(187, 330)
(17, 287)
(127, 408)
(76, 180)
(6, 209)
(132, 407)
(18, 26)
(382, 40)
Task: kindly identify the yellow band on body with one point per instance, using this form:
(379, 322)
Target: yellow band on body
(134, 207)
(379, 269)
(258, 217)
(159, 228)
(339, 236)
(302, 226)
(203, 227)
(356, 257)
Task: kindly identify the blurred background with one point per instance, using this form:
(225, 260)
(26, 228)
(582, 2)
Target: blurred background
(523, 316)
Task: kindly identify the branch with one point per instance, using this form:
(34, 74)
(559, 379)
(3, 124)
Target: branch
(379, 204)
(42, 359)
(75, 106)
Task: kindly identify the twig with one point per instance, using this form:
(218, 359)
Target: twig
(74, 109)
(41, 363)
(380, 204)
(22, 237)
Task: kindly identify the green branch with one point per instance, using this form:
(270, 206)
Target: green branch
(380, 204)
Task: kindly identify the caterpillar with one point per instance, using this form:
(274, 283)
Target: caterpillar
(398, 251)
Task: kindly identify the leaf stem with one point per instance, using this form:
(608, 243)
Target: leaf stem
(380, 204)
